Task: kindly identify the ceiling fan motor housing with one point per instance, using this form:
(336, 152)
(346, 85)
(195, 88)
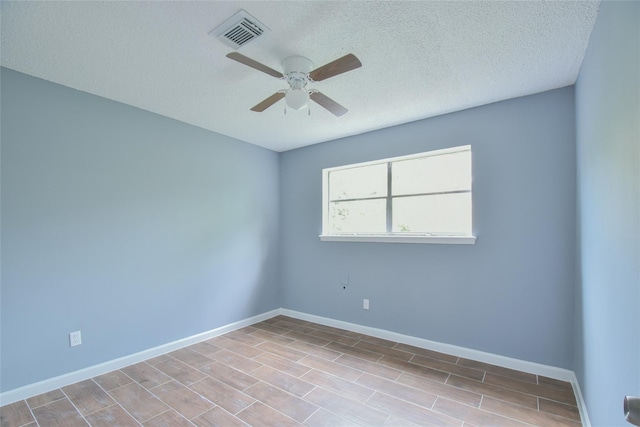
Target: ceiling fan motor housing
(296, 71)
(297, 63)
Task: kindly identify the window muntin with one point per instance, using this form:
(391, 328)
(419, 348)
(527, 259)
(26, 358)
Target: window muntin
(426, 194)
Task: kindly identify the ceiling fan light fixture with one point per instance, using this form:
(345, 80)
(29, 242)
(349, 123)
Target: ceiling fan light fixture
(297, 99)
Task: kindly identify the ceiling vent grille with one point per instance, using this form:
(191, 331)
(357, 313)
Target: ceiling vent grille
(239, 30)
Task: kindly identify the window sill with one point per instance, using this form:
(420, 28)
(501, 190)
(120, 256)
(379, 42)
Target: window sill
(381, 238)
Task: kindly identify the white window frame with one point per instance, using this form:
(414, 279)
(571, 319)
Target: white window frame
(388, 237)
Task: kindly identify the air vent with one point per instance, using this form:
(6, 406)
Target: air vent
(239, 30)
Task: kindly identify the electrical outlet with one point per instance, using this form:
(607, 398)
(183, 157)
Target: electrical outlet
(75, 338)
(365, 304)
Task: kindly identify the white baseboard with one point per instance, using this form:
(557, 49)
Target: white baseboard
(582, 407)
(494, 359)
(467, 353)
(112, 365)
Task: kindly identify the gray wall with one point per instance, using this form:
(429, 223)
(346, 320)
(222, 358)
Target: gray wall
(511, 293)
(134, 228)
(608, 144)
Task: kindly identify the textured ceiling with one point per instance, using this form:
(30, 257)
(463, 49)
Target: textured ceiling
(420, 59)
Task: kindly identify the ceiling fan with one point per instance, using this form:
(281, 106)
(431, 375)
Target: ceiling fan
(297, 71)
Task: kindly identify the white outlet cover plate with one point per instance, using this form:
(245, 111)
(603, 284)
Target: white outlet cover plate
(75, 338)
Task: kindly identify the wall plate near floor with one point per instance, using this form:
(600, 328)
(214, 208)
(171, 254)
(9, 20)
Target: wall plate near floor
(75, 338)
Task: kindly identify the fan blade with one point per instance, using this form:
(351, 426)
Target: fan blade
(328, 104)
(254, 64)
(268, 102)
(341, 65)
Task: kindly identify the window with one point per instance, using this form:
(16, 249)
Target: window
(422, 198)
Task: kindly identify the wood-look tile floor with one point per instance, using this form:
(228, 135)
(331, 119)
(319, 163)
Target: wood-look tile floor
(286, 372)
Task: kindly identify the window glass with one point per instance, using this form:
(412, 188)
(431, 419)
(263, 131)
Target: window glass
(358, 182)
(433, 174)
(358, 216)
(441, 214)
